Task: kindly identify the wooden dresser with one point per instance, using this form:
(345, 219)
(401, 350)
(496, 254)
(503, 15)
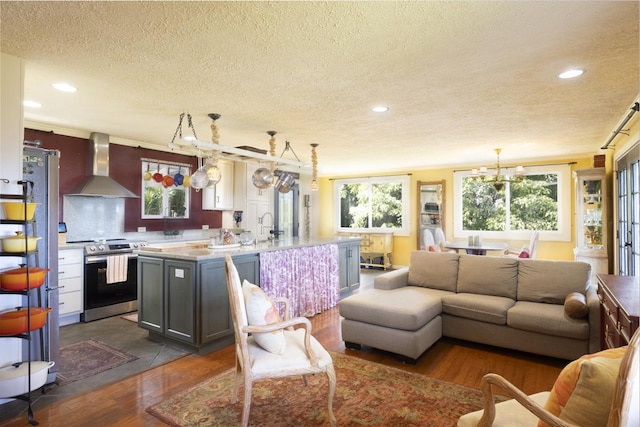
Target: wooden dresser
(619, 309)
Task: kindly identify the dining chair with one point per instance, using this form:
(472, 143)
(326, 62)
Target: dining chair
(428, 241)
(302, 353)
(527, 251)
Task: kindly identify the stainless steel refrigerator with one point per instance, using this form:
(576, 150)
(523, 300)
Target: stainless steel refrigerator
(41, 167)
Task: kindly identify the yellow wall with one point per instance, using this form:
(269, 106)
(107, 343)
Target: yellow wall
(404, 245)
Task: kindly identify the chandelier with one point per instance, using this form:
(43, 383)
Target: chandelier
(496, 179)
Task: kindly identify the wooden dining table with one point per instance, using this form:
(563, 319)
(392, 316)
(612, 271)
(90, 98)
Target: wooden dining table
(479, 249)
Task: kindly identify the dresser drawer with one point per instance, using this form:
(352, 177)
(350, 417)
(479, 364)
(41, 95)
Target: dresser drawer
(67, 271)
(70, 302)
(626, 328)
(610, 334)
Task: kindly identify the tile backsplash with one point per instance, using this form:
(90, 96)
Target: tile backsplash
(90, 218)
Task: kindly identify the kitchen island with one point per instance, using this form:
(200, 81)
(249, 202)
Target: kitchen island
(182, 289)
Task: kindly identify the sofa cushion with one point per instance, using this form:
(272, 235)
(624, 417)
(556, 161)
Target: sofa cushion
(408, 308)
(551, 281)
(488, 275)
(485, 308)
(546, 319)
(575, 305)
(436, 270)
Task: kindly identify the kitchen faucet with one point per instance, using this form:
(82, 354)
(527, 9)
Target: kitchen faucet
(271, 225)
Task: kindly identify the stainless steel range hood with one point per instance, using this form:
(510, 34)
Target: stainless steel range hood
(99, 184)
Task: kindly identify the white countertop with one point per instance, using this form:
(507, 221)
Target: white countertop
(198, 250)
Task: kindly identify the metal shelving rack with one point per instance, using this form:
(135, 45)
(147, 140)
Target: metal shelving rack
(27, 293)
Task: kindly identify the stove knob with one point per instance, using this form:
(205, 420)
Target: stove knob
(92, 248)
(101, 248)
(135, 245)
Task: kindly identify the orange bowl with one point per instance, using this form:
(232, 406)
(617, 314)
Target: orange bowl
(13, 322)
(16, 279)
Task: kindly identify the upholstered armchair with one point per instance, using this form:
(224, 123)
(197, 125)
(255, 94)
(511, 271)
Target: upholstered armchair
(274, 349)
(600, 389)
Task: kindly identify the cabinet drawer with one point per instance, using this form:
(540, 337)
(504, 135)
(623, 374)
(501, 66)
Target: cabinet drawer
(69, 285)
(67, 271)
(377, 244)
(70, 256)
(70, 302)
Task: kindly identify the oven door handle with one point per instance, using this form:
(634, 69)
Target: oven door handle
(99, 258)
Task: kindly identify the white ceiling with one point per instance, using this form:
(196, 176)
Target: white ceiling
(460, 77)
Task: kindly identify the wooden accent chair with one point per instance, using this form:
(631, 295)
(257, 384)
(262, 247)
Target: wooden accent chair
(624, 410)
(303, 354)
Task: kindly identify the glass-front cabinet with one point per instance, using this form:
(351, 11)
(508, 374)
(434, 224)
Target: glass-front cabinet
(591, 219)
(430, 210)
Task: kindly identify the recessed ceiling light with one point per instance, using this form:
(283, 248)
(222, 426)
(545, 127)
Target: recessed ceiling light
(64, 87)
(31, 104)
(380, 109)
(569, 74)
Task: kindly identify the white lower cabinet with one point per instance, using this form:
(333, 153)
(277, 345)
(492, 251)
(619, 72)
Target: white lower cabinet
(70, 284)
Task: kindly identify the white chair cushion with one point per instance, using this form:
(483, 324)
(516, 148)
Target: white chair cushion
(261, 311)
(509, 413)
(265, 363)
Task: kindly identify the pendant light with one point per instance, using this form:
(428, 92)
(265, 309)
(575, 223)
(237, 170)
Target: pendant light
(211, 167)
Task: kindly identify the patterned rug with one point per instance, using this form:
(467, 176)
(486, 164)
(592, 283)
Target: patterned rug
(367, 394)
(86, 358)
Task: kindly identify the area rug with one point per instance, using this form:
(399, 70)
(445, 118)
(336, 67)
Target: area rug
(133, 317)
(367, 394)
(86, 358)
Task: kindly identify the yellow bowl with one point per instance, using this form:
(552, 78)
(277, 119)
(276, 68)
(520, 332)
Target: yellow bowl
(15, 210)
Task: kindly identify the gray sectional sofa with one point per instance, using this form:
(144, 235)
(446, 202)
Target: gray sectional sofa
(506, 302)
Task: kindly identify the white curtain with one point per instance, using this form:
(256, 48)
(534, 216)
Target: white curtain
(307, 276)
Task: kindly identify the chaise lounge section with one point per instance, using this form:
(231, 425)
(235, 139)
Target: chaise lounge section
(537, 306)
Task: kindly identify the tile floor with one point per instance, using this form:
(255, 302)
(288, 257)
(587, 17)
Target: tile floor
(114, 331)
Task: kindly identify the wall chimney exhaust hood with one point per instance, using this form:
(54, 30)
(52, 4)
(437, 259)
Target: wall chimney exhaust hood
(99, 184)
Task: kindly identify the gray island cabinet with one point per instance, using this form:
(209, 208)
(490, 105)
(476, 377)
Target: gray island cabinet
(182, 288)
(185, 303)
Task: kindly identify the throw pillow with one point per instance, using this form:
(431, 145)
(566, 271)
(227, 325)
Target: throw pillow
(261, 311)
(575, 305)
(569, 380)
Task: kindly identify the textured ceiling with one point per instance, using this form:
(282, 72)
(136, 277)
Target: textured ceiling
(460, 77)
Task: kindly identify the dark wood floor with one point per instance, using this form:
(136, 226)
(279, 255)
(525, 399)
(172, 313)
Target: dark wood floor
(124, 403)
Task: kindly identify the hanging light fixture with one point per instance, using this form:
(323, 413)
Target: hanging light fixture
(211, 167)
(497, 180)
(178, 133)
(314, 165)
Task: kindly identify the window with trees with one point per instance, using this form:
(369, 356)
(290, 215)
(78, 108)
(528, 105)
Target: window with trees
(164, 192)
(369, 204)
(541, 201)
